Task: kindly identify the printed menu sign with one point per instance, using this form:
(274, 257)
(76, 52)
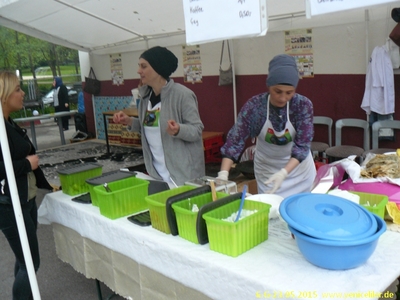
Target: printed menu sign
(211, 20)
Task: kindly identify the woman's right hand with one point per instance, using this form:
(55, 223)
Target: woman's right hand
(34, 161)
(122, 118)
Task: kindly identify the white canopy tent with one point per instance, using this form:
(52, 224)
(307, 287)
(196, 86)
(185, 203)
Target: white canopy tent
(104, 26)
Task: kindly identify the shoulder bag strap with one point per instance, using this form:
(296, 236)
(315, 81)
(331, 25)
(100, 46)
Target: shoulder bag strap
(91, 74)
(222, 53)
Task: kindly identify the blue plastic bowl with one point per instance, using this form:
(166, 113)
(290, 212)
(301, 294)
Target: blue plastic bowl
(338, 255)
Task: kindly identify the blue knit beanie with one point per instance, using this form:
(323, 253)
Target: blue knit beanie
(283, 70)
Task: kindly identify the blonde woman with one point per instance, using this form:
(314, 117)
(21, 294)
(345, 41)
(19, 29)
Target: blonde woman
(28, 176)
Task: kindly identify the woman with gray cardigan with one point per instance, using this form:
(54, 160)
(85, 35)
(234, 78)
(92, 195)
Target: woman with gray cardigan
(169, 121)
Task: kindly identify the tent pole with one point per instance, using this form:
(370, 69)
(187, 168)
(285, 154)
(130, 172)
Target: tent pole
(17, 207)
(234, 82)
(367, 56)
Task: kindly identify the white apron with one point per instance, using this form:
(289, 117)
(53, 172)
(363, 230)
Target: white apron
(273, 151)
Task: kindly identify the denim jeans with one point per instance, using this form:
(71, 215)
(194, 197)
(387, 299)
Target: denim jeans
(21, 287)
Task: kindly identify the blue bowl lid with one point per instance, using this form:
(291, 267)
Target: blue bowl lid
(327, 217)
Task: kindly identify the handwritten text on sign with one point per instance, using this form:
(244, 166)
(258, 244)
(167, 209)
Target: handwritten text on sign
(210, 20)
(319, 7)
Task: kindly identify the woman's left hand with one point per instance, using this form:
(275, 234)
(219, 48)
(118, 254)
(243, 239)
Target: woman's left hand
(276, 180)
(173, 128)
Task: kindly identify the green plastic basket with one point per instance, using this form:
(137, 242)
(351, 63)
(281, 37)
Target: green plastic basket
(127, 197)
(186, 218)
(105, 178)
(235, 238)
(73, 179)
(374, 203)
(156, 203)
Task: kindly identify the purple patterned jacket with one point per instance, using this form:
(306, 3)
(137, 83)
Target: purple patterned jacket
(253, 115)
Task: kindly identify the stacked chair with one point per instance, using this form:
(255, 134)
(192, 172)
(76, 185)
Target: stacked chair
(376, 127)
(318, 146)
(340, 151)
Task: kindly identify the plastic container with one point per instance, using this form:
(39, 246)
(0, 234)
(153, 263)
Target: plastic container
(235, 238)
(127, 197)
(186, 218)
(105, 178)
(73, 179)
(374, 203)
(157, 207)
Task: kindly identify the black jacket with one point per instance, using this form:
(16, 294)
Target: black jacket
(20, 148)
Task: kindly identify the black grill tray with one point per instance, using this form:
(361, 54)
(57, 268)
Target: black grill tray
(183, 196)
(79, 168)
(109, 177)
(201, 227)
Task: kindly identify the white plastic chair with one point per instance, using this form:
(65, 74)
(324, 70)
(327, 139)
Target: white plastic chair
(376, 127)
(340, 151)
(317, 146)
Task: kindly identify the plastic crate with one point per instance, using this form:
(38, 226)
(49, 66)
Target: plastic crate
(127, 197)
(215, 141)
(186, 218)
(157, 207)
(235, 238)
(73, 179)
(377, 203)
(212, 155)
(105, 178)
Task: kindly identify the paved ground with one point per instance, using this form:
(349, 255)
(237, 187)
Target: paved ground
(48, 134)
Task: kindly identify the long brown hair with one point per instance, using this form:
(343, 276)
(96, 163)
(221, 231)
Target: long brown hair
(8, 81)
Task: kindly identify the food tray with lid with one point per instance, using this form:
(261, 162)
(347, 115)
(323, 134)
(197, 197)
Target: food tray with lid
(73, 179)
(186, 216)
(127, 197)
(332, 232)
(235, 238)
(326, 216)
(157, 207)
(105, 178)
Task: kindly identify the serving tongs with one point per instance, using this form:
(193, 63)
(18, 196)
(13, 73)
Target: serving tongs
(107, 188)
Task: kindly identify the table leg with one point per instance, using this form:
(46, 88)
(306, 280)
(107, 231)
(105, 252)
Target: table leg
(33, 134)
(61, 129)
(106, 133)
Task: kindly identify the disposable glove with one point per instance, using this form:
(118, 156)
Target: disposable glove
(223, 175)
(276, 180)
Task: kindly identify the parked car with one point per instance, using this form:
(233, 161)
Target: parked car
(48, 98)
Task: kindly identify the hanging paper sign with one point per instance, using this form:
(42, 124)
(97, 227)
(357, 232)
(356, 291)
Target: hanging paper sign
(319, 7)
(211, 20)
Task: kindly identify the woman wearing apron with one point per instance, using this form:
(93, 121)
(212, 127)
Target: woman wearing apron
(282, 123)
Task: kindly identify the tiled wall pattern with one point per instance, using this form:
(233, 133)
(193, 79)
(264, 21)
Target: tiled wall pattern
(102, 104)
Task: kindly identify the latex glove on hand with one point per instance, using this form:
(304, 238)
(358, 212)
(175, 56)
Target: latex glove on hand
(223, 175)
(276, 179)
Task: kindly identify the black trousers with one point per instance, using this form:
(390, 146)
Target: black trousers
(8, 225)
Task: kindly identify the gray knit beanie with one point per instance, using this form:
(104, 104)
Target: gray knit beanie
(283, 70)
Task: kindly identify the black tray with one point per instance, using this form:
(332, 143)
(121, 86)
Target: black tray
(79, 168)
(157, 186)
(201, 227)
(171, 217)
(84, 198)
(109, 177)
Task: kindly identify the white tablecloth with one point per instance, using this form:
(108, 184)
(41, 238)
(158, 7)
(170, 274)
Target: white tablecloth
(275, 267)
